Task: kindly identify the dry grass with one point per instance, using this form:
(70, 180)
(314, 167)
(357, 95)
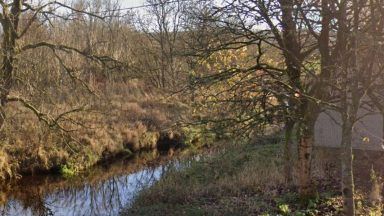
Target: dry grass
(125, 117)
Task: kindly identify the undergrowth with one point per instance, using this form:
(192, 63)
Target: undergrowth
(242, 179)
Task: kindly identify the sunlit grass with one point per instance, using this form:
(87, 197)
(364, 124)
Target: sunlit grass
(241, 179)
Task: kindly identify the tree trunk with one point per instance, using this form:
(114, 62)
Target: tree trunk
(347, 168)
(350, 102)
(306, 141)
(9, 23)
(7, 67)
(289, 125)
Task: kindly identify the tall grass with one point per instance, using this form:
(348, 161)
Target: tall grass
(123, 118)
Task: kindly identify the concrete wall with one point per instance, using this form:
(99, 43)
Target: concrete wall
(328, 130)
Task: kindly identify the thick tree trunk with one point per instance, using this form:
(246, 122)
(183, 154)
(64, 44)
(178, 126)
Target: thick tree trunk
(305, 146)
(347, 168)
(9, 23)
(7, 68)
(289, 125)
(306, 142)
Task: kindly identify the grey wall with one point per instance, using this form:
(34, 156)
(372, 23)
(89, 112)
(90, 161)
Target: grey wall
(328, 130)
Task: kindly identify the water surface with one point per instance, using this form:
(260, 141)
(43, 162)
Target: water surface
(102, 191)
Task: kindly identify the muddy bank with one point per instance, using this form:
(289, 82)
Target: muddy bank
(146, 145)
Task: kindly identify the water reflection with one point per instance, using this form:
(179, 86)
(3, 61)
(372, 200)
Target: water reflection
(103, 192)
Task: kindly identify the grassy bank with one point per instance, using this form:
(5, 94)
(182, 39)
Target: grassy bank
(243, 179)
(123, 119)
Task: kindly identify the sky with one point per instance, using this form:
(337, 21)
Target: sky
(131, 3)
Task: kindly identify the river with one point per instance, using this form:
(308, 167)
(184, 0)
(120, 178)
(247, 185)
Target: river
(104, 190)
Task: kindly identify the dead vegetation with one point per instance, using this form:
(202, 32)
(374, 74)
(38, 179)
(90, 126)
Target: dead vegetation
(124, 120)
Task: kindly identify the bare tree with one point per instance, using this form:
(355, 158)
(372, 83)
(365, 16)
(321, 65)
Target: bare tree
(159, 55)
(282, 26)
(18, 20)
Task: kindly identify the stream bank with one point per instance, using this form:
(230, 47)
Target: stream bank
(103, 190)
(248, 179)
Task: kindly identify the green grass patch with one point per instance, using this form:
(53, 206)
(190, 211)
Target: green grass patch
(67, 171)
(240, 179)
(227, 178)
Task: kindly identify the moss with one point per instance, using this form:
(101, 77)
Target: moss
(67, 171)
